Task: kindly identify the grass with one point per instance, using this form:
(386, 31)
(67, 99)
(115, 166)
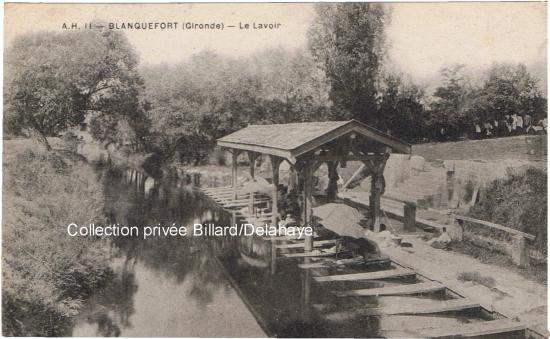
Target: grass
(477, 278)
(533, 272)
(47, 274)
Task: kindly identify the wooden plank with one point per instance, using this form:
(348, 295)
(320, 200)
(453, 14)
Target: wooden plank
(302, 244)
(424, 287)
(499, 326)
(423, 307)
(399, 272)
(238, 203)
(228, 196)
(284, 238)
(247, 200)
(217, 189)
(355, 174)
(239, 191)
(314, 253)
(227, 193)
(493, 225)
(370, 262)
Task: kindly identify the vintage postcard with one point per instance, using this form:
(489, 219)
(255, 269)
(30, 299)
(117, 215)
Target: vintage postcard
(351, 169)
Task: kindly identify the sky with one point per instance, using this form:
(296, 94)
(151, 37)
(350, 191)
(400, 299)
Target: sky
(423, 37)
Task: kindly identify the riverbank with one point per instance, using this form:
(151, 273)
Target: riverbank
(46, 274)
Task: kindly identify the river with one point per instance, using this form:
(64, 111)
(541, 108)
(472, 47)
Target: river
(164, 286)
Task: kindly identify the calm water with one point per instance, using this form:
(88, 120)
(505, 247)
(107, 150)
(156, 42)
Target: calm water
(222, 287)
(165, 287)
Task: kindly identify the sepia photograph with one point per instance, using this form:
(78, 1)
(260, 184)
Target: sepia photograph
(295, 170)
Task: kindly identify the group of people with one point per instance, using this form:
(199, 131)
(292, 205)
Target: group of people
(509, 125)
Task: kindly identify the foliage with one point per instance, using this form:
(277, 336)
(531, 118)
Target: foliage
(518, 201)
(55, 79)
(504, 89)
(509, 89)
(401, 109)
(46, 274)
(198, 101)
(348, 41)
(450, 108)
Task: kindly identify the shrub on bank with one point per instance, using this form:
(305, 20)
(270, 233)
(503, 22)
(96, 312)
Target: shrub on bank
(518, 201)
(47, 274)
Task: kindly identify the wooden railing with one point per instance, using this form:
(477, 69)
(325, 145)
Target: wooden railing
(496, 226)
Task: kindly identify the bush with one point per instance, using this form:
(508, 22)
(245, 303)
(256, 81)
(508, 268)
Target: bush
(518, 201)
(47, 274)
(477, 278)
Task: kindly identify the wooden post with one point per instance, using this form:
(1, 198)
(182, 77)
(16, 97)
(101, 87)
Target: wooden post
(275, 162)
(332, 188)
(252, 161)
(409, 216)
(306, 293)
(235, 155)
(520, 253)
(308, 203)
(375, 201)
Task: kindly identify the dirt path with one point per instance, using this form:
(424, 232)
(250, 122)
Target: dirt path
(512, 295)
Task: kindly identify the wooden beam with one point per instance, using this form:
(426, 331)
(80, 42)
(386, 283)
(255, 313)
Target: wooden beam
(259, 149)
(234, 183)
(357, 172)
(308, 202)
(370, 262)
(493, 225)
(275, 163)
(477, 329)
(406, 289)
(302, 244)
(361, 130)
(312, 253)
(395, 273)
(332, 187)
(422, 307)
(252, 156)
(349, 157)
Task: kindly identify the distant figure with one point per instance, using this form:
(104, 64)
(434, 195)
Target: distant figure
(488, 129)
(502, 128)
(514, 118)
(519, 124)
(508, 119)
(478, 131)
(528, 121)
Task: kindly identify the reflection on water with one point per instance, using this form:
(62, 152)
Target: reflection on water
(164, 286)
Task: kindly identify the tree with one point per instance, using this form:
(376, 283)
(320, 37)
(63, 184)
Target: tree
(510, 89)
(293, 88)
(54, 79)
(401, 109)
(200, 100)
(348, 41)
(453, 100)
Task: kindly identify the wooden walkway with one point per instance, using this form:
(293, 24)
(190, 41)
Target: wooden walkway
(325, 263)
(326, 268)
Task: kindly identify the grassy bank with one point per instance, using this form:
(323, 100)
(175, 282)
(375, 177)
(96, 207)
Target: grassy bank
(518, 201)
(47, 274)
